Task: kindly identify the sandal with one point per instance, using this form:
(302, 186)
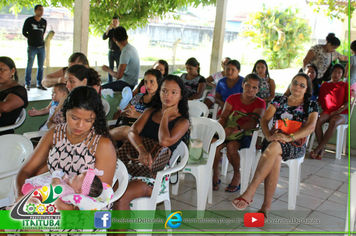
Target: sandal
(216, 185)
(236, 188)
(239, 199)
(315, 156)
(312, 154)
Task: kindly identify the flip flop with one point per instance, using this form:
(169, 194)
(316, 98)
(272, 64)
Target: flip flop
(312, 154)
(237, 188)
(315, 156)
(216, 185)
(239, 200)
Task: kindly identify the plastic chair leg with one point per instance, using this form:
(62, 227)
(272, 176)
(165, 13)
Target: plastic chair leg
(246, 164)
(311, 142)
(340, 140)
(175, 187)
(225, 163)
(202, 192)
(293, 182)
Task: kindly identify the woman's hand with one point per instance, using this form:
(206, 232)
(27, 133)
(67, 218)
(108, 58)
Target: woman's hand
(171, 111)
(145, 158)
(334, 113)
(132, 112)
(229, 130)
(283, 138)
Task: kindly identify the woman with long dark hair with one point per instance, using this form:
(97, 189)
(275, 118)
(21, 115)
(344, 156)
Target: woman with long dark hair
(13, 96)
(167, 122)
(82, 142)
(295, 111)
(323, 55)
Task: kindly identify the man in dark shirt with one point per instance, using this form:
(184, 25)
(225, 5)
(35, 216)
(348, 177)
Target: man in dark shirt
(34, 29)
(114, 50)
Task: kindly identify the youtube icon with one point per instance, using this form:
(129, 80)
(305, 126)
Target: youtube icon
(254, 220)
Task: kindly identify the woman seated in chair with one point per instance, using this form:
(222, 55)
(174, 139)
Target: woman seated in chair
(312, 71)
(138, 104)
(160, 65)
(58, 76)
(13, 96)
(228, 85)
(76, 75)
(194, 82)
(167, 122)
(82, 142)
(253, 107)
(333, 99)
(299, 115)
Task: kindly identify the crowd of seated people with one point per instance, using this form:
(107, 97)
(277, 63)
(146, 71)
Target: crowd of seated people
(78, 127)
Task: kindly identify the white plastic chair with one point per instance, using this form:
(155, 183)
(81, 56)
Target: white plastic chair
(352, 206)
(341, 136)
(203, 96)
(18, 122)
(34, 134)
(149, 203)
(214, 111)
(14, 149)
(197, 109)
(294, 176)
(246, 161)
(106, 106)
(122, 177)
(204, 129)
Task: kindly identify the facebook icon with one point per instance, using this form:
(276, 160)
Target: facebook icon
(102, 219)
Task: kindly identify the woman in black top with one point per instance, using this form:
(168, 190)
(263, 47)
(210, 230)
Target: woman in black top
(13, 96)
(167, 122)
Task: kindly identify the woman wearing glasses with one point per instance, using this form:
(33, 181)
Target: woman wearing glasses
(279, 143)
(333, 99)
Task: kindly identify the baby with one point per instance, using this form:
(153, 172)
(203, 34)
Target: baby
(87, 183)
(58, 92)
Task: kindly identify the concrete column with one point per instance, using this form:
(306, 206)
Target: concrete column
(81, 26)
(218, 38)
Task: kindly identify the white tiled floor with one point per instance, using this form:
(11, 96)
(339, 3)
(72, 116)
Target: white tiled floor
(323, 196)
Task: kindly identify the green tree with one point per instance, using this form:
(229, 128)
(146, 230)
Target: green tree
(335, 9)
(132, 13)
(281, 34)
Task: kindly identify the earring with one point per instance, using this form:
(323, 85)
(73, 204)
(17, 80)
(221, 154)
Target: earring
(12, 76)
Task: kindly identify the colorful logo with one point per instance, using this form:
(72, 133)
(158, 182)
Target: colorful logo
(102, 220)
(31, 213)
(174, 220)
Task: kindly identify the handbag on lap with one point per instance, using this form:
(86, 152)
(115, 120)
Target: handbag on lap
(129, 156)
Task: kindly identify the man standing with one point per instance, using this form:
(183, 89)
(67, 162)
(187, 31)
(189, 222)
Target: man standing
(34, 29)
(114, 50)
(129, 67)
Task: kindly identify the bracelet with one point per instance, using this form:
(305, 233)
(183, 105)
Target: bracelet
(138, 146)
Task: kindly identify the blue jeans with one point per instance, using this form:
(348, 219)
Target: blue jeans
(114, 56)
(31, 53)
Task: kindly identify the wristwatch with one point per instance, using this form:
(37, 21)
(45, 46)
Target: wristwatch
(292, 136)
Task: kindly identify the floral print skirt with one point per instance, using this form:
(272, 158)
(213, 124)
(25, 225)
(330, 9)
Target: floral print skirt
(288, 150)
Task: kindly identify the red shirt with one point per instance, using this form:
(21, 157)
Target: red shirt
(332, 96)
(235, 101)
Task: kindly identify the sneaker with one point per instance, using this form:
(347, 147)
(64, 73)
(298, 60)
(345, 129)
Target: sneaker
(27, 87)
(41, 87)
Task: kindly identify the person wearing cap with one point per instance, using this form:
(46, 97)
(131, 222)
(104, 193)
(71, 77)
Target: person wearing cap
(114, 50)
(34, 29)
(129, 67)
